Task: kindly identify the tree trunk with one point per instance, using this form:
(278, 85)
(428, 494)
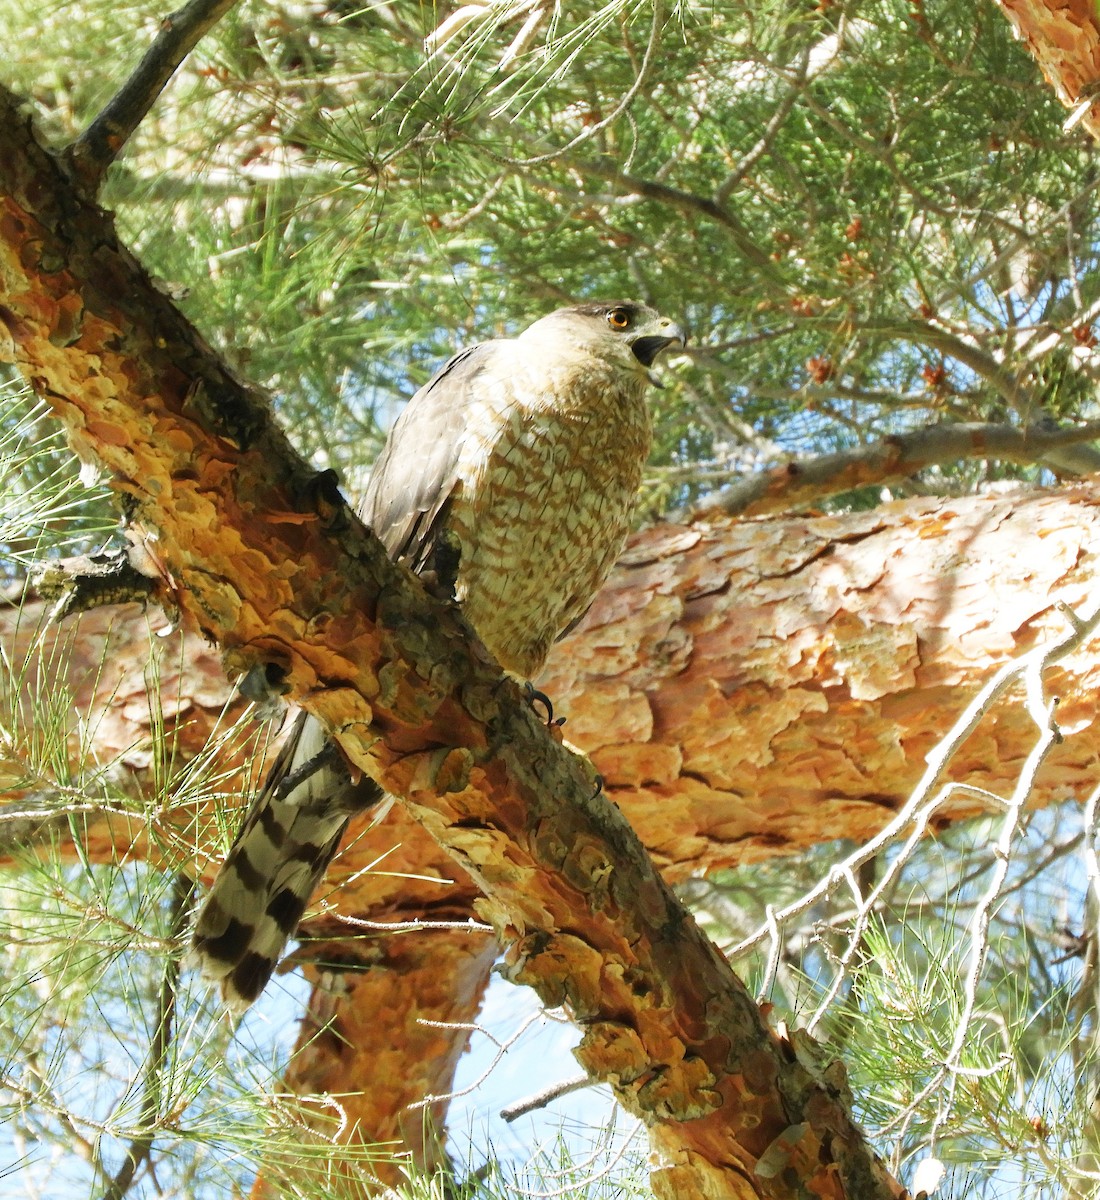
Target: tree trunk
(263, 556)
(744, 689)
(385, 1026)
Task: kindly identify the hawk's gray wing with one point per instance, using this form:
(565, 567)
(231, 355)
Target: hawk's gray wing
(415, 475)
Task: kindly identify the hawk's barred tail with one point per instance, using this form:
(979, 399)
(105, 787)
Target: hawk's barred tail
(284, 845)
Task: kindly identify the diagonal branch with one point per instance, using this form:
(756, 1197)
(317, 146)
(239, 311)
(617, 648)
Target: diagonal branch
(268, 560)
(751, 157)
(607, 170)
(100, 144)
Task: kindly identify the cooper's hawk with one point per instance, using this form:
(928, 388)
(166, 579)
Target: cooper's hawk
(513, 473)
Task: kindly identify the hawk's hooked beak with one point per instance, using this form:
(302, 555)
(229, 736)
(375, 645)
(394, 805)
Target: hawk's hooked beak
(652, 339)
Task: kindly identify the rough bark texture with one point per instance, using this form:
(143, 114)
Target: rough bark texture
(386, 1023)
(446, 972)
(746, 689)
(1064, 38)
(265, 558)
(758, 686)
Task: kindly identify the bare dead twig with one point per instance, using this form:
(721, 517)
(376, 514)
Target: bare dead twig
(94, 580)
(950, 1069)
(547, 1096)
(100, 144)
(414, 926)
(502, 1048)
(893, 458)
(141, 1145)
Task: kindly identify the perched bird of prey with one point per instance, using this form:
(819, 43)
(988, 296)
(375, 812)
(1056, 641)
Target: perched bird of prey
(513, 475)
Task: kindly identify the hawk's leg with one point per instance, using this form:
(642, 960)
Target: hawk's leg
(441, 578)
(327, 758)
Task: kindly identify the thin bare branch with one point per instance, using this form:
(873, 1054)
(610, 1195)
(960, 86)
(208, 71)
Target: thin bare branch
(141, 1146)
(100, 144)
(944, 1079)
(775, 123)
(896, 457)
(924, 801)
(533, 1103)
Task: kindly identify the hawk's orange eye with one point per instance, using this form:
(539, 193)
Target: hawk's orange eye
(619, 318)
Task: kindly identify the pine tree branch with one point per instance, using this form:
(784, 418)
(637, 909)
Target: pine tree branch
(93, 580)
(609, 171)
(1072, 460)
(102, 142)
(899, 456)
(748, 161)
(271, 563)
(32, 821)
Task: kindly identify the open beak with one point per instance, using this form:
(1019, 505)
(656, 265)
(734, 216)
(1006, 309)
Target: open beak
(650, 341)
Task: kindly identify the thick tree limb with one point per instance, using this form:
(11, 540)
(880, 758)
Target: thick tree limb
(1009, 384)
(745, 689)
(1064, 37)
(425, 989)
(101, 143)
(269, 562)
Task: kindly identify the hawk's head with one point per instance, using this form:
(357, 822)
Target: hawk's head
(623, 330)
